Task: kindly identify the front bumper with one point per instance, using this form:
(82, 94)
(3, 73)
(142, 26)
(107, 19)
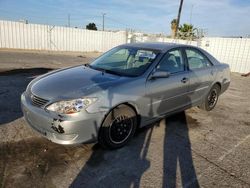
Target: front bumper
(78, 128)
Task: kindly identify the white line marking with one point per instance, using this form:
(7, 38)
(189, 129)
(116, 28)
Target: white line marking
(231, 150)
(220, 159)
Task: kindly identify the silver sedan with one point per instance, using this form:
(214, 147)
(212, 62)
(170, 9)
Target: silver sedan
(130, 86)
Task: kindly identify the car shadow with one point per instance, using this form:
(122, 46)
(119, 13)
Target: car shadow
(117, 168)
(13, 83)
(126, 166)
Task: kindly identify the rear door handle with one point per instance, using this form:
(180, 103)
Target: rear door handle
(184, 80)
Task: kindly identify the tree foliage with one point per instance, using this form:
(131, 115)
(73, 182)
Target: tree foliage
(91, 26)
(173, 27)
(186, 31)
(173, 24)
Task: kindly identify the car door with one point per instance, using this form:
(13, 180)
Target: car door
(169, 93)
(201, 74)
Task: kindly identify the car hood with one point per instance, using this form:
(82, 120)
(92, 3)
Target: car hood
(72, 83)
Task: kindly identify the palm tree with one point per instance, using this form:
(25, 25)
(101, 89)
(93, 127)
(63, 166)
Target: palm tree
(187, 31)
(173, 27)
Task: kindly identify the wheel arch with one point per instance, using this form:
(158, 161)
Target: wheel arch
(217, 83)
(130, 105)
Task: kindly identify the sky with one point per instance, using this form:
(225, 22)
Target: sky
(216, 17)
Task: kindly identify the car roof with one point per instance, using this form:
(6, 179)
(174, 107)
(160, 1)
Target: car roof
(160, 46)
(163, 47)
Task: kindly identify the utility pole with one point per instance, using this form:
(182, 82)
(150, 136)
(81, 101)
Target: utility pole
(178, 18)
(103, 16)
(68, 20)
(191, 14)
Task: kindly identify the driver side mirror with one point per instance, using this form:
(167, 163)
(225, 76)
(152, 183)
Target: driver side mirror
(159, 74)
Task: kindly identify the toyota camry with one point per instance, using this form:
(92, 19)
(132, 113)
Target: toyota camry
(126, 88)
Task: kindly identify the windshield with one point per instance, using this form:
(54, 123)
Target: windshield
(125, 61)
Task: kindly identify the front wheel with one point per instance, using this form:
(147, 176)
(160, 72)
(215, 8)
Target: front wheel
(118, 127)
(211, 98)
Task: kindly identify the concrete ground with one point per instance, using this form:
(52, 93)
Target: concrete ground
(190, 149)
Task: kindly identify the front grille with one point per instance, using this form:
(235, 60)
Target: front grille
(37, 101)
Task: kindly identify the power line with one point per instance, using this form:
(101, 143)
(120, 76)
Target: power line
(47, 17)
(116, 21)
(70, 19)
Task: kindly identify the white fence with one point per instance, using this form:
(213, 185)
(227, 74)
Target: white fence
(43, 37)
(234, 51)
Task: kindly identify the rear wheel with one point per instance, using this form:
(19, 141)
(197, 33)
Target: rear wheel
(211, 98)
(118, 127)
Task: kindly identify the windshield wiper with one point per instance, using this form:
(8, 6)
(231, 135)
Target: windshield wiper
(87, 65)
(95, 68)
(104, 70)
(113, 72)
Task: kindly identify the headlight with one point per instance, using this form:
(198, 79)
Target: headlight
(71, 106)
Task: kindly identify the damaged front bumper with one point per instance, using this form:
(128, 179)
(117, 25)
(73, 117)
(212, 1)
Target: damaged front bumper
(69, 129)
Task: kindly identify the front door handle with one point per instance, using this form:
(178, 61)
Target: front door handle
(184, 80)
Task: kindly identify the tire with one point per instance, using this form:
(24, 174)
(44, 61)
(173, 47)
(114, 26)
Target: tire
(211, 98)
(118, 127)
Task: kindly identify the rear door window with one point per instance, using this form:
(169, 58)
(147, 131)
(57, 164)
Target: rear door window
(196, 60)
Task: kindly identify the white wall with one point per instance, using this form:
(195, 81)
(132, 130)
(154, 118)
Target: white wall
(141, 38)
(234, 51)
(43, 37)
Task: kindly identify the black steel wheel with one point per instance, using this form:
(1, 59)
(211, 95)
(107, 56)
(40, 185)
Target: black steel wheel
(211, 99)
(118, 127)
